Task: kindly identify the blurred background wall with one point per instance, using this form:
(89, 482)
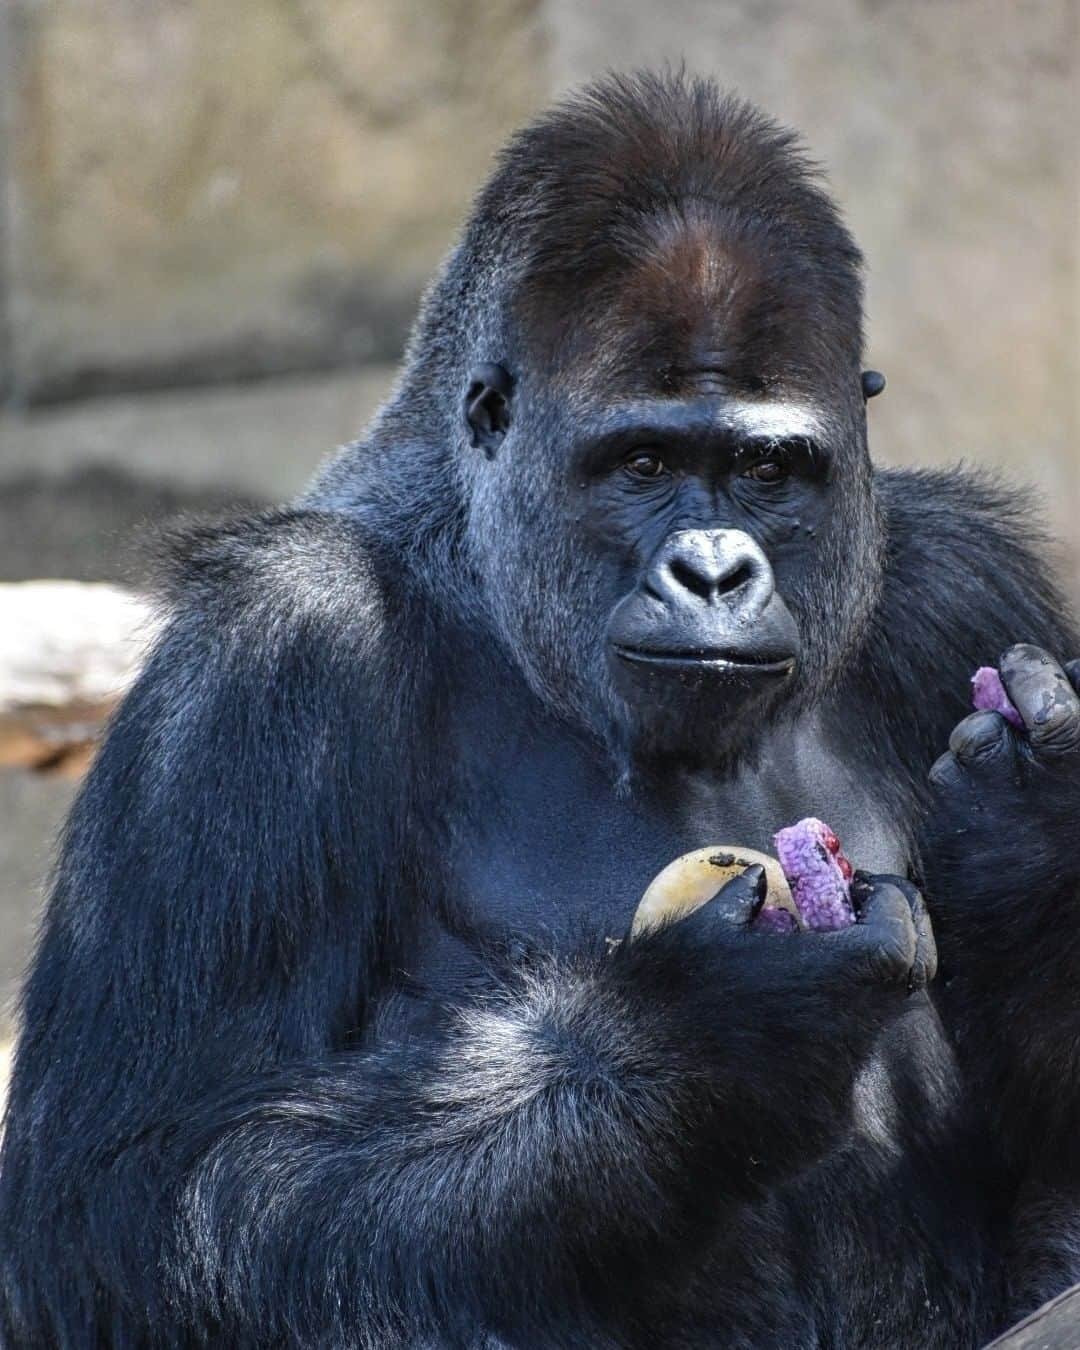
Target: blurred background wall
(217, 219)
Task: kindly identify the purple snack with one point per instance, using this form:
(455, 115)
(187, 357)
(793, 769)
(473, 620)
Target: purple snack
(773, 919)
(818, 873)
(988, 695)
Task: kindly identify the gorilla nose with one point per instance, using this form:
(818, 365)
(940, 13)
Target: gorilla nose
(714, 566)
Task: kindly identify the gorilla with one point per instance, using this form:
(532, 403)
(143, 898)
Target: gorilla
(326, 1042)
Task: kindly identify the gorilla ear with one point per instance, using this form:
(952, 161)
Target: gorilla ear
(487, 407)
(873, 382)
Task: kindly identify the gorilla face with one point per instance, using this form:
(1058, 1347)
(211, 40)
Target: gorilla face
(695, 502)
(680, 557)
(705, 512)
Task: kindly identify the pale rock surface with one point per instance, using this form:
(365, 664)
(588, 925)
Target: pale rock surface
(69, 650)
(68, 643)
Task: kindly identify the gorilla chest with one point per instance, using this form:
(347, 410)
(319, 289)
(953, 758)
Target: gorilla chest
(558, 849)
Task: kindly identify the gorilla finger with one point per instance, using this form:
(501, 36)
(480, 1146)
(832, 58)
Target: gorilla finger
(983, 740)
(739, 900)
(947, 775)
(882, 945)
(924, 966)
(926, 956)
(1044, 698)
(1072, 669)
(735, 905)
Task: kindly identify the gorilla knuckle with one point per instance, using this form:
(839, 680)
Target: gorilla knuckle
(892, 956)
(1045, 697)
(884, 936)
(946, 774)
(1021, 653)
(980, 737)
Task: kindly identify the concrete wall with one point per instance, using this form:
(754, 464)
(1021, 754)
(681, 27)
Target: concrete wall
(200, 190)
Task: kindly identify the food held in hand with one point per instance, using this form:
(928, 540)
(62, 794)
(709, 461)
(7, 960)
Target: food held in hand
(818, 873)
(773, 919)
(808, 883)
(988, 695)
(695, 878)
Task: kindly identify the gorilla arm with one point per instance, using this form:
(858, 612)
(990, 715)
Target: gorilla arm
(191, 1145)
(1002, 850)
(561, 1153)
(968, 578)
(1006, 805)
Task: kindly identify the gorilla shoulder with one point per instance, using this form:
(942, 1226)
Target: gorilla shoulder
(968, 572)
(966, 547)
(285, 569)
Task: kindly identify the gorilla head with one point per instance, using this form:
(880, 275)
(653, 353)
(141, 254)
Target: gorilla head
(645, 354)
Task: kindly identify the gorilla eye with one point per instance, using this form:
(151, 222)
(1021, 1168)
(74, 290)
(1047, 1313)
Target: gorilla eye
(644, 464)
(768, 471)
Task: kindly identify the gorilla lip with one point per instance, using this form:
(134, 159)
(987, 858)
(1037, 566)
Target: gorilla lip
(715, 660)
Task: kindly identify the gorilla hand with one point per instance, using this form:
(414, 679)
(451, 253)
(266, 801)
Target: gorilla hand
(1003, 875)
(1005, 797)
(785, 1022)
(890, 944)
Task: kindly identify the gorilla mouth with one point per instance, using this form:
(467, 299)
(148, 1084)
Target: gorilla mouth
(719, 660)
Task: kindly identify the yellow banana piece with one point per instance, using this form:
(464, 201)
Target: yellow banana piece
(694, 878)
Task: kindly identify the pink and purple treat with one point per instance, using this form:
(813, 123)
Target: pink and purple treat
(988, 695)
(773, 919)
(818, 873)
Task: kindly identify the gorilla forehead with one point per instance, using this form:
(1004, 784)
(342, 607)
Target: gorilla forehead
(654, 229)
(711, 305)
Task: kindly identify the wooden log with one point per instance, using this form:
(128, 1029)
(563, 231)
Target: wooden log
(68, 650)
(1054, 1326)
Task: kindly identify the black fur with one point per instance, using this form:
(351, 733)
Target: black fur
(323, 1044)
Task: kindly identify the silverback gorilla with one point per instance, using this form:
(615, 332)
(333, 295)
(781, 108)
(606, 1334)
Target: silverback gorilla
(325, 1043)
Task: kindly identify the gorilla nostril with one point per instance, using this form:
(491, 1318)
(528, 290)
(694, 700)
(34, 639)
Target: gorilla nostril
(691, 578)
(707, 582)
(735, 580)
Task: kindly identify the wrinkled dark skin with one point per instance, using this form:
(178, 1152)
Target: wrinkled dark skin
(326, 1042)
